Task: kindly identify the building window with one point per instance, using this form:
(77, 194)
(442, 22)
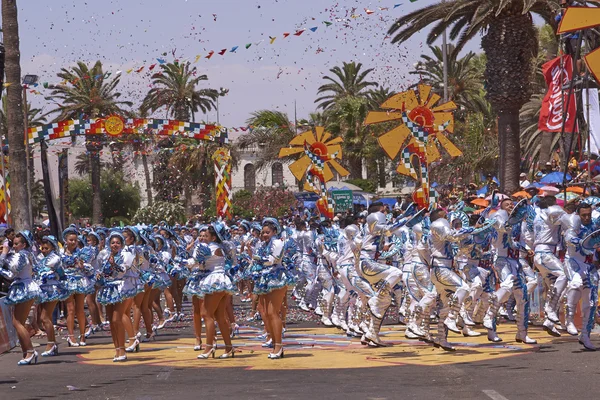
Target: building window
(249, 177)
(277, 174)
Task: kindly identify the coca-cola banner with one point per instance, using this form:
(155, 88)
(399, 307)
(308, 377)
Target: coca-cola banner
(551, 114)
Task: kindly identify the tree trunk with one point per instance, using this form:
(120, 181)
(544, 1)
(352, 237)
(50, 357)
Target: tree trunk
(147, 176)
(545, 147)
(510, 45)
(355, 166)
(510, 151)
(16, 130)
(96, 195)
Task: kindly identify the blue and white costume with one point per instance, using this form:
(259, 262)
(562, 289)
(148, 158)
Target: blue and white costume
(547, 226)
(269, 271)
(581, 274)
(78, 275)
(18, 267)
(112, 277)
(49, 272)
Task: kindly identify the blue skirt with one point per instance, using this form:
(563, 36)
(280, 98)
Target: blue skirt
(274, 278)
(192, 286)
(79, 284)
(112, 292)
(133, 286)
(21, 291)
(52, 291)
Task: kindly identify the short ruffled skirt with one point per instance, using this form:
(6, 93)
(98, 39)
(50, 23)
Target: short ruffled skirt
(192, 286)
(52, 291)
(79, 284)
(112, 292)
(214, 282)
(21, 291)
(271, 279)
(178, 272)
(133, 286)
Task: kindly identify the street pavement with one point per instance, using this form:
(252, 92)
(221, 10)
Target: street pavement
(319, 363)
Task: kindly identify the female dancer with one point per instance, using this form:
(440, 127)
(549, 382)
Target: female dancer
(215, 289)
(192, 287)
(133, 289)
(89, 255)
(272, 282)
(144, 310)
(171, 291)
(23, 291)
(161, 279)
(49, 272)
(78, 284)
(111, 294)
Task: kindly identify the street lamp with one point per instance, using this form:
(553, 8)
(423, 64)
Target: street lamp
(27, 81)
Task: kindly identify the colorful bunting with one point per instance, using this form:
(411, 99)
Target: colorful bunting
(233, 49)
(314, 29)
(222, 52)
(299, 32)
(248, 46)
(327, 23)
(272, 39)
(286, 34)
(210, 54)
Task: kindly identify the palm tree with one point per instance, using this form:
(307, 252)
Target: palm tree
(510, 44)
(350, 82)
(271, 131)
(14, 117)
(82, 164)
(464, 79)
(88, 92)
(175, 87)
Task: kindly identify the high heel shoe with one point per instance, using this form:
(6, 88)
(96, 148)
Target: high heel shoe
(211, 352)
(31, 360)
(70, 343)
(198, 347)
(134, 348)
(235, 330)
(278, 355)
(82, 343)
(161, 325)
(147, 337)
(120, 358)
(268, 344)
(229, 354)
(52, 352)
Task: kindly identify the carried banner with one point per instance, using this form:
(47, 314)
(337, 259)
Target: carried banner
(557, 75)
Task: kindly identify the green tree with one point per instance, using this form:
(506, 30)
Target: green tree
(175, 88)
(272, 130)
(348, 81)
(510, 44)
(119, 197)
(172, 213)
(89, 92)
(464, 78)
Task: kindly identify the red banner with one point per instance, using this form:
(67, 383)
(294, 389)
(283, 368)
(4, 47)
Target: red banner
(551, 114)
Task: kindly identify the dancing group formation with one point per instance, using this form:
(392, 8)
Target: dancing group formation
(462, 267)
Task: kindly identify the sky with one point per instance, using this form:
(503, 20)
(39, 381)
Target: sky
(129, 34)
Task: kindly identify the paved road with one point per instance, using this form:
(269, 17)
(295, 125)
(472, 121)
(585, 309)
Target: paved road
(319, 363)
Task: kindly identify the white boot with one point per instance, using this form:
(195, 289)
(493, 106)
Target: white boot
(586, 342)
(550, 328)
(493, 337)
(467, 332)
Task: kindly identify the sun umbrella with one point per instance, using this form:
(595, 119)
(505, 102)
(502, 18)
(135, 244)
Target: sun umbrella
(522, 194)
(550, 190)
(480, 202)
(499, 196)
(554, 177)
(570, 196)
(575, 189)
